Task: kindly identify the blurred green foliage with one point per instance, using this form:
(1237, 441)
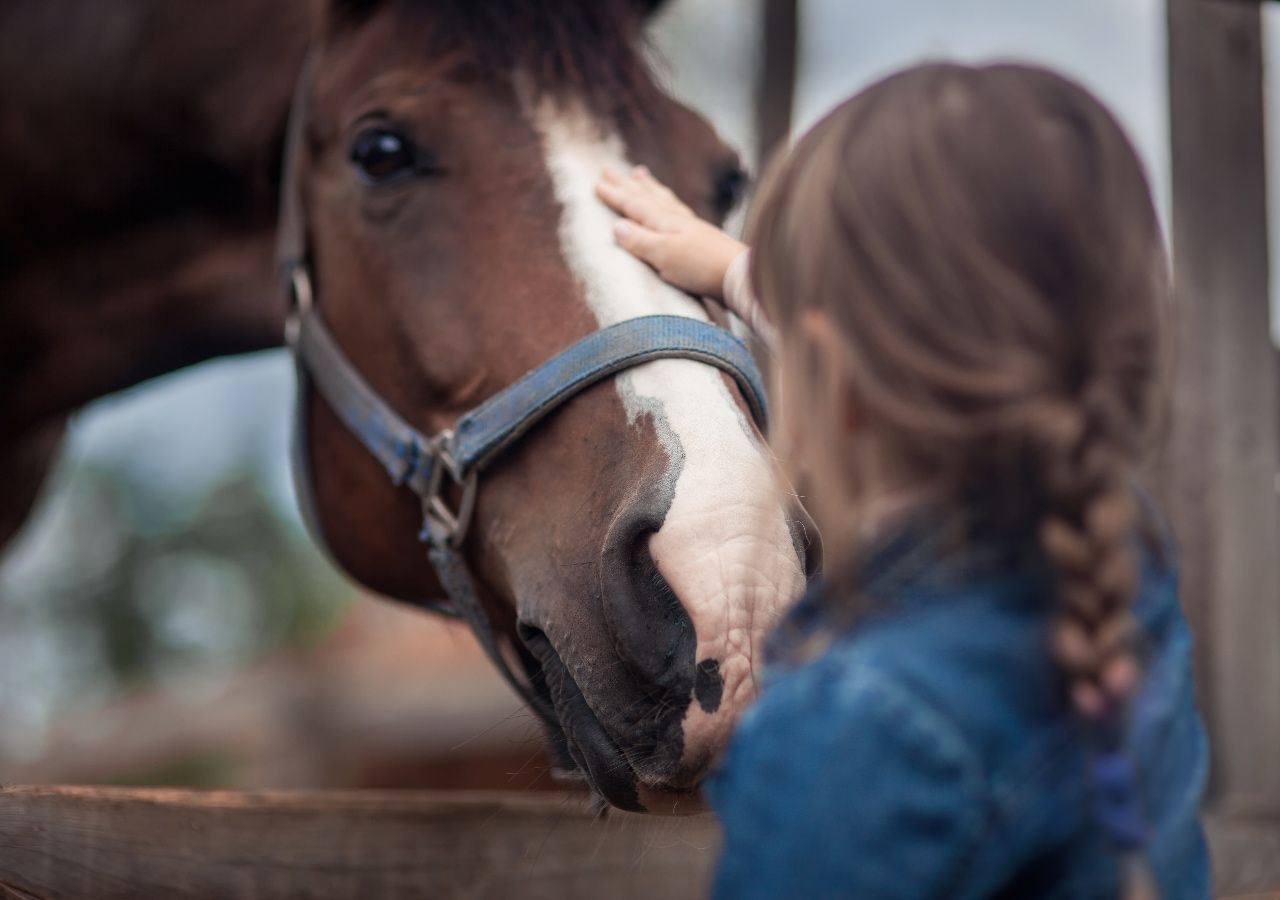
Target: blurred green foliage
(206, 770)
(122, 583)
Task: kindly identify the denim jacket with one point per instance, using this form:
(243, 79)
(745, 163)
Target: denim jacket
(929, 751)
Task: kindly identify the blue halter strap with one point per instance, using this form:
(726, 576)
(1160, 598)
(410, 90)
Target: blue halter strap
(422, 463)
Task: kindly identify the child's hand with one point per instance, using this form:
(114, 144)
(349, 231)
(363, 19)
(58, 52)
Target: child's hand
(657, 228)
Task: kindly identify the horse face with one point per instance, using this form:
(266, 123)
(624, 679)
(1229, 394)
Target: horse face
(633, 544)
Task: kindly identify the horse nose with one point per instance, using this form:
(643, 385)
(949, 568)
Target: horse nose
(649, 626)
(646, 620)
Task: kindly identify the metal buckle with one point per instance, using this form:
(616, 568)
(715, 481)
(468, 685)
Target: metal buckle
(441, 525)
(301, 300)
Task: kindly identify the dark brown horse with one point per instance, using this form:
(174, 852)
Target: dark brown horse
(138, 142)
(632, 542)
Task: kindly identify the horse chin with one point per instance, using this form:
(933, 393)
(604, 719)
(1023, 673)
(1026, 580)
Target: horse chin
(593, 751)
(598, 757)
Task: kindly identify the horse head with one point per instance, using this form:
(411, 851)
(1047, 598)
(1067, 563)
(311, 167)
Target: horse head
(631, 550)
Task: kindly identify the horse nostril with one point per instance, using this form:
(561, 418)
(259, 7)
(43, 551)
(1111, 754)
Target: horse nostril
(806, 539)
(650, 628)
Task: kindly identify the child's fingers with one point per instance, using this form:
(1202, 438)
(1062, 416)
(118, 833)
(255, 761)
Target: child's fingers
(645, 177)
(635, 202)
(636, 239)
(616, 196)
(641, 197)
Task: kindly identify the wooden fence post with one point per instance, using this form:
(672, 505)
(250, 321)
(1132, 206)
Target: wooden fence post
(1221, 477)
(775, 91)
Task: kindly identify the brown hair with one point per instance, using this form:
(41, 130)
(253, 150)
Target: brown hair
(982, 245)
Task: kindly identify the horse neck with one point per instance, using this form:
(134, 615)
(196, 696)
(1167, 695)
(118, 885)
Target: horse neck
(138, 216)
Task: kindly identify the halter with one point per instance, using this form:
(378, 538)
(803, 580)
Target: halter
(426, 465)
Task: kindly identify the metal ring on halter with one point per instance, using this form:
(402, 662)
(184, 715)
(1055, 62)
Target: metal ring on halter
(302, 299)
(440, 524)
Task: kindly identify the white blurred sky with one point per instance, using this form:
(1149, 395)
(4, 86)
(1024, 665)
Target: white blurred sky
(185, 430)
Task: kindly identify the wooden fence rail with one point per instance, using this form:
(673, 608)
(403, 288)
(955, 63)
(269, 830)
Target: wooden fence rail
(107, 843)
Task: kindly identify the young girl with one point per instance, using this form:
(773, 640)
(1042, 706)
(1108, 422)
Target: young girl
(990, 692)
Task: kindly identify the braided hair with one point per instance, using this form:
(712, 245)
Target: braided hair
(969, 260)
(1088, 533)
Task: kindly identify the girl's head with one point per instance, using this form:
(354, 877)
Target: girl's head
(968, 275)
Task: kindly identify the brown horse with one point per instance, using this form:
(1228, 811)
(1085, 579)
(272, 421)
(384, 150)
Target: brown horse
(631, 546)
(138, 145)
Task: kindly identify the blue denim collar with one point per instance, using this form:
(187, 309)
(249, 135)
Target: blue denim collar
(924, 557)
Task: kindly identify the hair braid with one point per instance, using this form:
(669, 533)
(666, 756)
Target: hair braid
(1089, 535)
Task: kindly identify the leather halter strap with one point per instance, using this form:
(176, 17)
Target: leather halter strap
(415, 461)
(422, 463)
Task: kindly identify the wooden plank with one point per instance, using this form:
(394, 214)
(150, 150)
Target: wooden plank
(775, 91)
(1246, 857)
(107, 843)
(121, 843)
(1222, 476)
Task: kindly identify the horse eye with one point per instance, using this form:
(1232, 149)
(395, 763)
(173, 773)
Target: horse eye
(382, 155)
(730, 185)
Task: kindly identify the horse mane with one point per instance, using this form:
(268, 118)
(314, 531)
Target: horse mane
(590, 49)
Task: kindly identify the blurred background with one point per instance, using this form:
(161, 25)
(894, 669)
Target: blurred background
(164, 617)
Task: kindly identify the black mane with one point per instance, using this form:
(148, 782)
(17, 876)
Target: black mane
(593, 49)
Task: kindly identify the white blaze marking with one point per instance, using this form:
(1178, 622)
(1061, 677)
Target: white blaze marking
(725, 546)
